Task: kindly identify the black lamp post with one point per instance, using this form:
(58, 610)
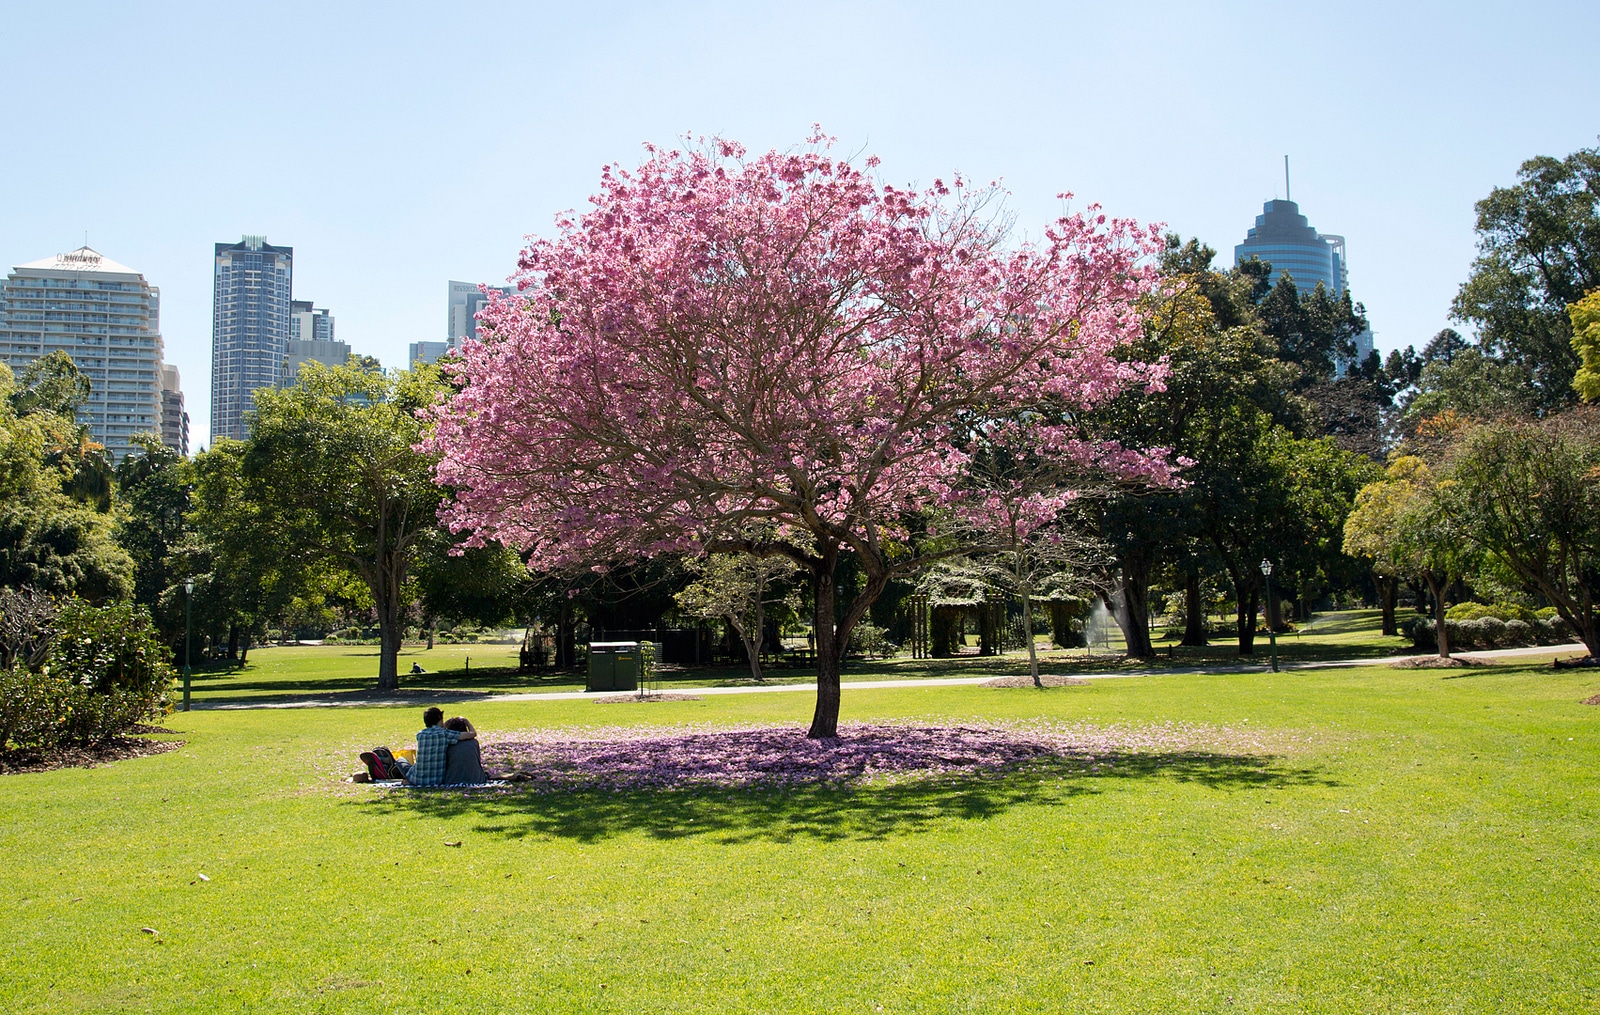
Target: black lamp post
(188, 596)
(1272, 634)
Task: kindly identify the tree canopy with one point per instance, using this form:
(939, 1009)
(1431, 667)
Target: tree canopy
(1538, 252)
(724, 342)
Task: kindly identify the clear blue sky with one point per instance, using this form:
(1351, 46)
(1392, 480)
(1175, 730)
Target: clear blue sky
(398, 146)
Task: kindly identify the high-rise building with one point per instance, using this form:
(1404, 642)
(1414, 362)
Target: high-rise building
(104, 315)
(465, 302)
(311, 350)
(174, 421)
(1284, 238)
(309, 323)
(426, 352)
(310, 341)
(253, 287)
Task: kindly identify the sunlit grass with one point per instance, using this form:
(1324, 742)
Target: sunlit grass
(1362, 840)
(331, 671)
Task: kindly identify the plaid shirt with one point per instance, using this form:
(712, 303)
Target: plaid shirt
(432, 745)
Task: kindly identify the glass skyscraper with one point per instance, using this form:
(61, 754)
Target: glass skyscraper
(107, 317)
(1283, 237)
(253, 287)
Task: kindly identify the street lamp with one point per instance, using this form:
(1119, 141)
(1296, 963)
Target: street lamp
(188, 596)
(1272, 634)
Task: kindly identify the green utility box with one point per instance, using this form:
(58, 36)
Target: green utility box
(614, 666)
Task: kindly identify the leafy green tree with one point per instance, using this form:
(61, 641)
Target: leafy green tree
(49, 538)
(1585, 315)
(1538, 252)
(53, 384)
(1458, 376)
(486, 585)
(241, 574)
(153, 484)
(332, 468)
(1528, 493)
(1402, 527)
(743, 590)
(1269, 495)
(1313, 330)
(1222, 374)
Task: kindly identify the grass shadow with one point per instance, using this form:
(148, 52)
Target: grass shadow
(827, 812)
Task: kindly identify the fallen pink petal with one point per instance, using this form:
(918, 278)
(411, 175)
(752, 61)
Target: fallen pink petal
(622, 759)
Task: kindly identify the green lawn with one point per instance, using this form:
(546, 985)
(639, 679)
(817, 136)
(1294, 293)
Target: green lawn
(298, 672)
(1368, 840)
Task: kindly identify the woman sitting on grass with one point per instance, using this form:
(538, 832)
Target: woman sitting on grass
(463, 760)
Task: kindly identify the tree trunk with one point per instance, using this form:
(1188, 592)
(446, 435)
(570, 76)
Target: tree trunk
(1026, 588)
(942, 620)
(567, 640)
(825, 719)
(752, 643)
(1249, 600)
(1441, 631)
(1388, 592)
(233, 642)
(389, 646)
(1194, 626)
(433, 629)
(987, 632)
(1131, 607)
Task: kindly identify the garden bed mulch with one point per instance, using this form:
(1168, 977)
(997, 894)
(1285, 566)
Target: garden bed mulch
(1047, 679)
(104, 753)
(1435, 663)
(618, 699)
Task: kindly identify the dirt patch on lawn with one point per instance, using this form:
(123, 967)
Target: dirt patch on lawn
(115, 749)
(1595, 700)
(619, 699)
(1435, 663)
(1047, 679)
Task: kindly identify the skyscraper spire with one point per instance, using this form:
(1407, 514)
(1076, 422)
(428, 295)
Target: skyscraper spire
(1286, 195)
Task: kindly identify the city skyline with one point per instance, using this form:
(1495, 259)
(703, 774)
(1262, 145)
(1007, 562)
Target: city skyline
(406, 193)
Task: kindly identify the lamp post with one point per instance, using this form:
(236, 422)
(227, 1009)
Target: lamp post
(188, 596)
(1272, 634)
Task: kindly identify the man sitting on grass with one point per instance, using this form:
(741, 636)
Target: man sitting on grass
(433, 747)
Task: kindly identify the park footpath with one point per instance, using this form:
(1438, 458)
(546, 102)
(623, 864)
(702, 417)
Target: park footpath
(868, 685)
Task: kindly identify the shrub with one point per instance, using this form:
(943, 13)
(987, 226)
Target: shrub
(1497, 611)
(1559, 630)
(1519, 632)
(870, 640)
(105, 672)
(1492, 631)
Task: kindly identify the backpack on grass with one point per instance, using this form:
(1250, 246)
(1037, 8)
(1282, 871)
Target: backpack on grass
(382, 764)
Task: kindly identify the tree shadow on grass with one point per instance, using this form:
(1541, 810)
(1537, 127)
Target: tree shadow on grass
(830, 811)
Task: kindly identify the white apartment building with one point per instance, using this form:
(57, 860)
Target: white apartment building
(104, 315)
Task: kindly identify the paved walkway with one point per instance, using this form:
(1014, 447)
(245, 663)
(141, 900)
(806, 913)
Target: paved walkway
(869, 685)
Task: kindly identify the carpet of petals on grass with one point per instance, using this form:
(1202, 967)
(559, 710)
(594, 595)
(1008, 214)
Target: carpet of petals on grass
(626, 759)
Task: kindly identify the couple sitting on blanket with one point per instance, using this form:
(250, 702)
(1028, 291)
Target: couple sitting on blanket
(447, 753)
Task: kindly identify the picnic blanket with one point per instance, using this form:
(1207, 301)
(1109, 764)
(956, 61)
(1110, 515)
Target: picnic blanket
(402, 784)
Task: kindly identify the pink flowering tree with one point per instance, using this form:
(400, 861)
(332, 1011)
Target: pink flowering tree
(779, 355)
